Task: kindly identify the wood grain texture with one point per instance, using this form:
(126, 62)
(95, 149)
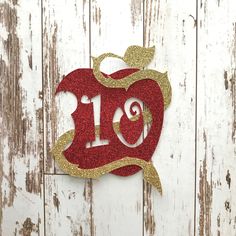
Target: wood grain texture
(66, 47)
(171, 28)
(68, 206)
(21, 150)
(216, 149)
(115, 25)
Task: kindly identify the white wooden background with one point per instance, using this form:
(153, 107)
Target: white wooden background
(42, 40)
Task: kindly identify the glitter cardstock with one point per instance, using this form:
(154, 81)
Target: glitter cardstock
(76, 151)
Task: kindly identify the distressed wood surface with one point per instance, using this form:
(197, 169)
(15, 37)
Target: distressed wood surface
(21, 150)
(61, 56)
(114, 26)
(68, 201)
(171, 28)
(41, 41)
(216, 119)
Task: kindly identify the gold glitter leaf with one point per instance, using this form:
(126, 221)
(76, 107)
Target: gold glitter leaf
(139, 57)
(132, 55)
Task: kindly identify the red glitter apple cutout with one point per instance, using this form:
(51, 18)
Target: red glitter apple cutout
(109, 153)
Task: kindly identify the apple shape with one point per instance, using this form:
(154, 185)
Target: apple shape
(82, 82)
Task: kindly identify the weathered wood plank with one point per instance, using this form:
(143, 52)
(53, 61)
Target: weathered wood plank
(68, 200)
(66, 48)
(21, 148)
(171, 28)
(117, 201)
(216, 118)
(68, 206)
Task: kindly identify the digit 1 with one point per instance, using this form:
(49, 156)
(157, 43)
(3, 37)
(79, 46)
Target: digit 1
(96, 112)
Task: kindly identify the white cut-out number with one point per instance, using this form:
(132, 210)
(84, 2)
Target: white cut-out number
(117, 116)
(96, 112)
